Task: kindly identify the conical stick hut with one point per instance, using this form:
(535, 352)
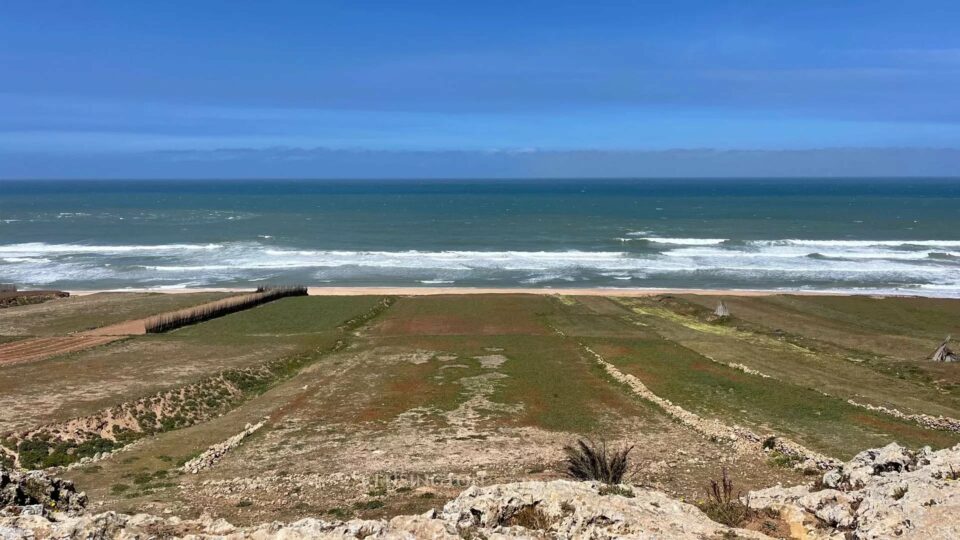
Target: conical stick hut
(943, 353)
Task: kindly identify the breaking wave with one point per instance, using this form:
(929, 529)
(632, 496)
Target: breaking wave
(918, 266)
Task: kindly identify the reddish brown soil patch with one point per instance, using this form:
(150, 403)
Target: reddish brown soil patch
(128, 328)
(893, 428)
(428, 325)
(410, 388)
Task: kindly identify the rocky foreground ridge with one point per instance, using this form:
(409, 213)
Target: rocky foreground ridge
(881, 493)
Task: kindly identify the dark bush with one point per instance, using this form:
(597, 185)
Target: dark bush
(587, 460)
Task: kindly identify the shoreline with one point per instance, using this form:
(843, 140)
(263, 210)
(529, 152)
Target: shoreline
(433, 291)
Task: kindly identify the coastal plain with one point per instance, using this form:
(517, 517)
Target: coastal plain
(391, 403)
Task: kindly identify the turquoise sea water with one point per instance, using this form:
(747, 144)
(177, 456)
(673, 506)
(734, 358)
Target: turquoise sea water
(871, 235)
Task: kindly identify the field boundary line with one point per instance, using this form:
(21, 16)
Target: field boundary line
(742, 439)
(927, 421)
(943, 423)
(214, 453)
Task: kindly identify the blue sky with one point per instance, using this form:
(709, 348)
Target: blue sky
(117, 88)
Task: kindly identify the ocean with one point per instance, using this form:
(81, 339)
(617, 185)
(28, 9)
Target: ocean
(847, 235)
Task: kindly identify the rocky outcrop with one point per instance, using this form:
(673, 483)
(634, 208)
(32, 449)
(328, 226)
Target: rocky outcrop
(888, 492)
(33, 492)
(881, 493)
(559, 509)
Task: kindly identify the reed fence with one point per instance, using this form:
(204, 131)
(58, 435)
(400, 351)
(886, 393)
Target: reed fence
(185, 317)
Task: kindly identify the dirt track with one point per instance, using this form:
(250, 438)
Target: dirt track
(29, 350)
(34, 349)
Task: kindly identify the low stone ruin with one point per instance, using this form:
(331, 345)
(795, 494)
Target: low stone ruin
(721, 311)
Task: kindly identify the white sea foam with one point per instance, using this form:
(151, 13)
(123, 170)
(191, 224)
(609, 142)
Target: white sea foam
(683, 241)
(39, 248)
(24, 260)
(927, 266)
(859, 243)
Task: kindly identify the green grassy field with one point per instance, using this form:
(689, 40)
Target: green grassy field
(827, 424)
(808, 360)
(484, 389)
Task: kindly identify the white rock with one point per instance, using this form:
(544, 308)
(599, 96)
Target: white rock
(880, 493)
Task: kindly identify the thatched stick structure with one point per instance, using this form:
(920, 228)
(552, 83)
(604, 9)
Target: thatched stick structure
(184, 317)
(943, 353)
(722, 310)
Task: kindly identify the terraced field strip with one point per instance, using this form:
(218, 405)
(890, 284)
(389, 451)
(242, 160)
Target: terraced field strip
(743, 439)
(30, 350)
(755, 350)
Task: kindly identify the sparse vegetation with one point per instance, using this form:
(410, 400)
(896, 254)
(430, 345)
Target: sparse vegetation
(587, 460)
(368, 505)
(530, 517)
(25, 298)
(722, 504)
(784, 460)
(616, 490)
(173, 409)
(339, 513)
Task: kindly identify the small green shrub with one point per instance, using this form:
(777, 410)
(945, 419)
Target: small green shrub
(143, 478)
(339, 513)
(368, 505)
(783, 460)
(616, 490)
